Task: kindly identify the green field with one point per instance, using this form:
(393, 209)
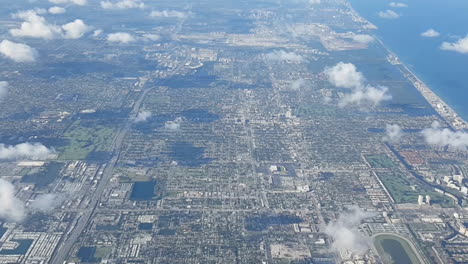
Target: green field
(406, 189)
(132, 177)
(102, 252)
(309, 111)
(380, 161)
(83, 140)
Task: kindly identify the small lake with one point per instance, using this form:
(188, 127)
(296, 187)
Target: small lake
(394, 249)
(143, 191)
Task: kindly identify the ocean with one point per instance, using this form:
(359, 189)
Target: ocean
(445, 72)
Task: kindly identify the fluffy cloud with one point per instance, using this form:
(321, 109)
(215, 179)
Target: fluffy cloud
(167, 13)
(142, 116)
(444, 137)
(345, 233)
(123, 4)
(345, 75)
(17, 52)
(393, 133)
(47, 202)
(430, 33)
(3, 89)
(120, 37)
(284, 56)
(36, 26)
(35, 151)
(152, 37)
(363, 38)
(57, 10)
(460, 46)
(388, 14)
(397, 4)
(11, 208)
(297, 84)
(368, 96)
(75, 29)
(310, 2)
(97, 32)
(173, 125)
(76, 2)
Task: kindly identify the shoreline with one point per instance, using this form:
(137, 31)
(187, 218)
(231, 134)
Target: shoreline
(450, 116)
(447, 113)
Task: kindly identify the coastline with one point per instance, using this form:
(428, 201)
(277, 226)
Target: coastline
(453, 119)
(450, 116)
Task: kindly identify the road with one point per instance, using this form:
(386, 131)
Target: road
(74, 231)
(67, 242)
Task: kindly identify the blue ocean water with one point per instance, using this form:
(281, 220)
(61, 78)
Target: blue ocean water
(445, 72)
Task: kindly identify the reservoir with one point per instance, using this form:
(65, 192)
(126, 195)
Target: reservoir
(394, 249)
(143, 191)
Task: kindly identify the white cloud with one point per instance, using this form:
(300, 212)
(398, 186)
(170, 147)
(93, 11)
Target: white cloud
(34, 151)
(76, 2)
(3, 89)
(152, 37)
(97, 32)
(430, 33)
(388, 14)
(173, 125)
(363, 38)
(310, 2)
(444, 137)
(40, 11)
(345, 75)
(142, 116)
(393, 133)
(367, 96)
(397, 4)
(17, 52)
(11, 208)
(36, 26)
(460, 46)
(298, 84)
(120, 37)
(167, 13)
(75, 29)
(345, 233)
(57, 10)
(47, 202)
(282, 55)
(123, 4)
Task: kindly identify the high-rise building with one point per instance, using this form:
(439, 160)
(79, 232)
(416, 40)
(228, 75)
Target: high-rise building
(420, 200)
(428, 199)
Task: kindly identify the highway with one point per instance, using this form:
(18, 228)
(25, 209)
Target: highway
(66, 243)
(77, 228)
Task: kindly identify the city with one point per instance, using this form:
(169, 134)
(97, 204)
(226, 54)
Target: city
(223, 132)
